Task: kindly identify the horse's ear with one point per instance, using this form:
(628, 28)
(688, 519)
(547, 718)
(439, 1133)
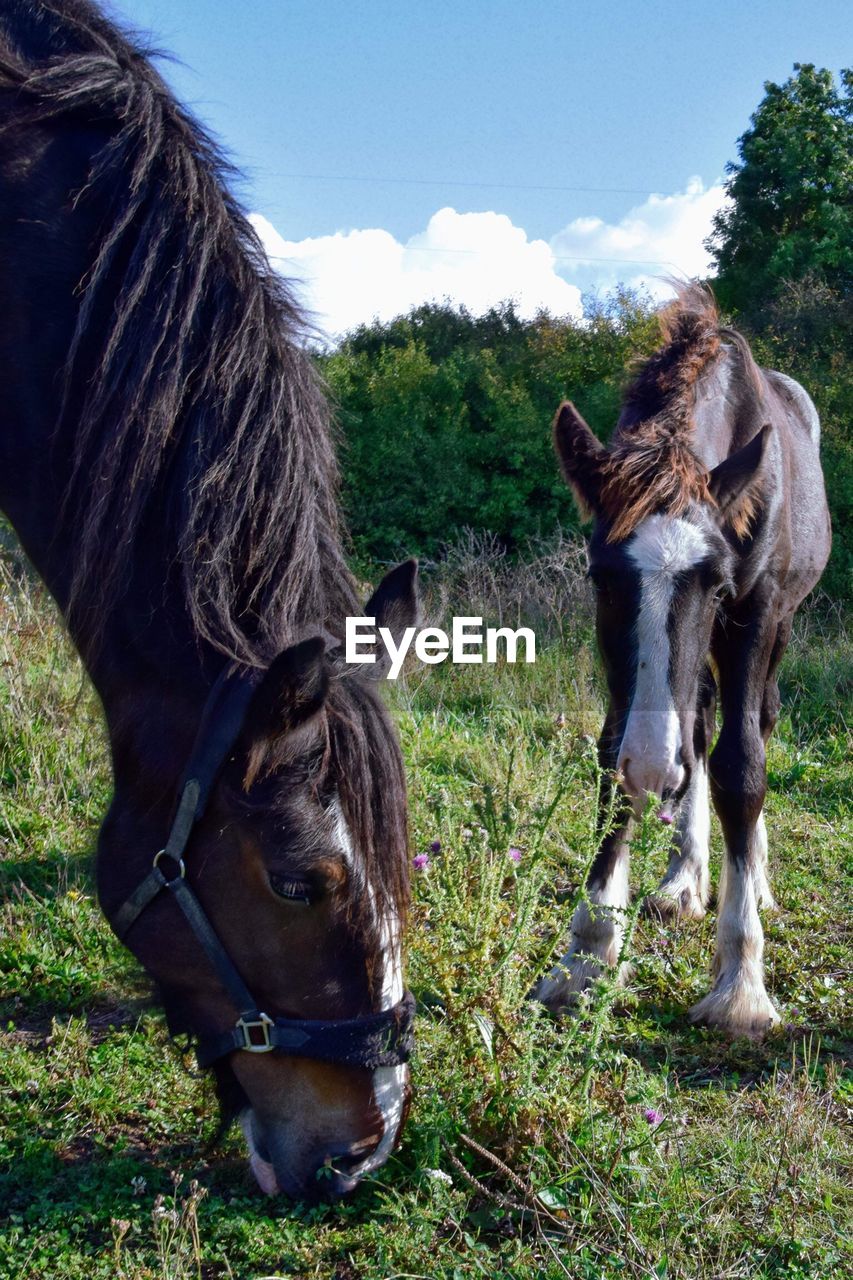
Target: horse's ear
(291, 693)
(581, 454)
(395, 603)
(732, 481)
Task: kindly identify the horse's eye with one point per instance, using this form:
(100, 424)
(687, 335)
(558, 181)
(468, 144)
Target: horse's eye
(723, 591)
(292, 890)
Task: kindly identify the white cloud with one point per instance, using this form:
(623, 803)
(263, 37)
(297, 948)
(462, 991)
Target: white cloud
(476, 259)
(481, 259)
(662, 236)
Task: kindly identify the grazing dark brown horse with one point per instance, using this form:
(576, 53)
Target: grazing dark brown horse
(711, 526)
(166, 461)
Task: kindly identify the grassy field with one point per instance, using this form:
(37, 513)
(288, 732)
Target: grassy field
(624, 1143)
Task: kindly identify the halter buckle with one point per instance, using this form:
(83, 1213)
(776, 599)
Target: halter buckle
(181, 871)
(256, 1034)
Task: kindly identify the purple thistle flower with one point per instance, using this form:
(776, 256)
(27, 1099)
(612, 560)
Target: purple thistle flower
(435, 847)
(666, 818)
(653, 1117)
(420, 862)
(515, 855)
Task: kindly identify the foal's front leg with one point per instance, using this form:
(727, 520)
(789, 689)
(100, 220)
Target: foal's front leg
(598, 926)
(685, 888)
(738, 1002)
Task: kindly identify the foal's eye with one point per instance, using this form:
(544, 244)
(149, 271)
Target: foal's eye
(292, 890)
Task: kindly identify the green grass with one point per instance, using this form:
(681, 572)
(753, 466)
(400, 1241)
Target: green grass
(528, 1152)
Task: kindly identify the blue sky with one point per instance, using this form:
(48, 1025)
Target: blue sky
(476, 109)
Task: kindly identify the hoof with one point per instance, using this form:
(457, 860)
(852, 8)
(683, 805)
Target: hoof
(670, 903)
(737, 1009)
(576, 973)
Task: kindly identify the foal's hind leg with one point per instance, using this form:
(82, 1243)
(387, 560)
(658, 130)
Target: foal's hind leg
(685, 888)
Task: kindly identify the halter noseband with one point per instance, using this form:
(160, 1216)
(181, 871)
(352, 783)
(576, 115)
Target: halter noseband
(375, 1040)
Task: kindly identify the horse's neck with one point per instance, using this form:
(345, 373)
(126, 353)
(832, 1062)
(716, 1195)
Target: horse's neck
(151, 672)
(728, 411)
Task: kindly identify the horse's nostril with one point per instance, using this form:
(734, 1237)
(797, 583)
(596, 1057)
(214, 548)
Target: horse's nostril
(624, 768)
(347, 1160)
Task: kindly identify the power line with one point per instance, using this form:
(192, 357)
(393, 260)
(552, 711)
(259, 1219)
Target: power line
(648, 262)
(579, 257)
(453, 182)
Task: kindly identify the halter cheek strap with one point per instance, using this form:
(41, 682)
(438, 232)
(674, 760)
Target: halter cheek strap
(376, 1040)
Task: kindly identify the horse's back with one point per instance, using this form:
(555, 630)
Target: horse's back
(801, 406)
(796, 421)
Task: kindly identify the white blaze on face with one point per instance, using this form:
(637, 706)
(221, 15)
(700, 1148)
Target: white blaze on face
(389, 1083)
(661, 548)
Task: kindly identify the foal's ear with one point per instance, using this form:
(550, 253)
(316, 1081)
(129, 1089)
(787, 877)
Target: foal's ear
(581, 454)
(395, 603)
(290, 694)
(731, 482)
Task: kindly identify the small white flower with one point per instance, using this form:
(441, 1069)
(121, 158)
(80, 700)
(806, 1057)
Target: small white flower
(438, 1175)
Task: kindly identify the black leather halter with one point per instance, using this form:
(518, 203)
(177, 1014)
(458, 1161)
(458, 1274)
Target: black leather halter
(375, 1040)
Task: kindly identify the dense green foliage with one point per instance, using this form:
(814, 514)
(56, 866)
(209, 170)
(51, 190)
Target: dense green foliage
(790, 215)
(446, 416)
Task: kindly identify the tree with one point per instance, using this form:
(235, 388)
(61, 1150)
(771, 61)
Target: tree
(790, 215)
(445, 418)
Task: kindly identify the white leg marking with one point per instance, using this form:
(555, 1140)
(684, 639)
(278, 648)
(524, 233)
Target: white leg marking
(596, 940)
(685, 888)
(738, 1003)
(763, 892)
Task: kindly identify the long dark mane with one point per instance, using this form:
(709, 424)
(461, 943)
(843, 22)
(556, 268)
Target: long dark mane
(652, 463)
(190, 404)
(192, 394)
